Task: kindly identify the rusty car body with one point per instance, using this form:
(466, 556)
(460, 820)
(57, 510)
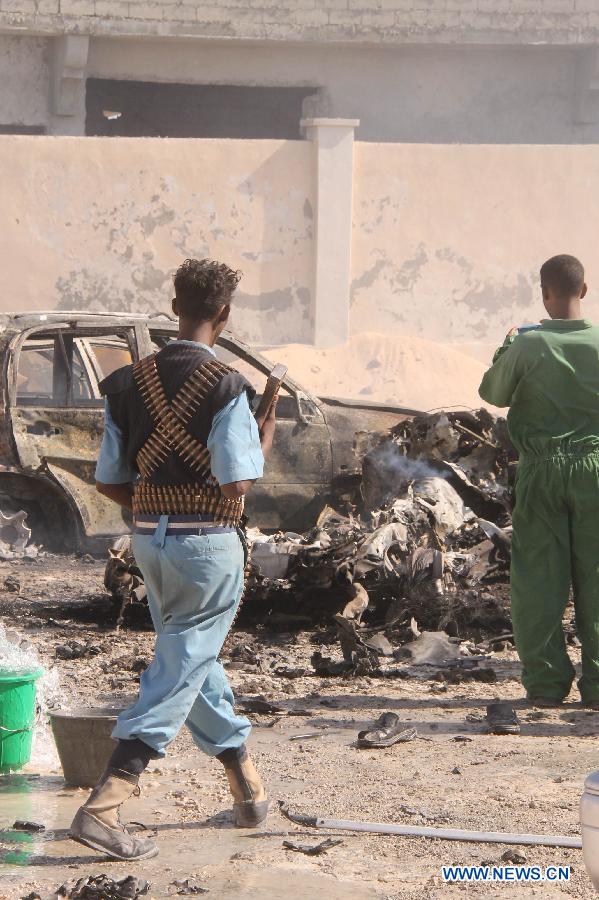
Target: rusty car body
(52, 422)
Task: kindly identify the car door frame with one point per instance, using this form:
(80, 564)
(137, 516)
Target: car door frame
(75, 484)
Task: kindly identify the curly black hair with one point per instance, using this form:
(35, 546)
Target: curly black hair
(203, 287)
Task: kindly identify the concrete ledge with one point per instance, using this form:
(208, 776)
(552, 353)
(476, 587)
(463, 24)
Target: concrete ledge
(365, 25)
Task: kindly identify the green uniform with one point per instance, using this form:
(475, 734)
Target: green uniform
(550, 380)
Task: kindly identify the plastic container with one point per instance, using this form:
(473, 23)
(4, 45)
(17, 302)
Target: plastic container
(589, 819)
(83, 741)
(17, 719)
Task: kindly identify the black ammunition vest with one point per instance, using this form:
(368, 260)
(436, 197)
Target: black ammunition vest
(164, 406)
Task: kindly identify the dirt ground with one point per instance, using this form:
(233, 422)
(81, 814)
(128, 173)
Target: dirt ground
(452, 775)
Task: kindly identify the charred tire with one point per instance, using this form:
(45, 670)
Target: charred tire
(49, 514)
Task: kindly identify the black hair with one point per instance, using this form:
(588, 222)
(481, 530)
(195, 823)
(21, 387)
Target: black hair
(564, 275)
(203, 287)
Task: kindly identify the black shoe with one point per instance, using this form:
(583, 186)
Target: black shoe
(502, 718)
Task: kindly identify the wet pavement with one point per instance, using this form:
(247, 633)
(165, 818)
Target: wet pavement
(229, 862)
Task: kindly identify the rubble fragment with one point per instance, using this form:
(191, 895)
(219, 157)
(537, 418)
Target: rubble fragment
(14, 535)
(29, 827)
(313, 849)
(187, 887)
(102, 887)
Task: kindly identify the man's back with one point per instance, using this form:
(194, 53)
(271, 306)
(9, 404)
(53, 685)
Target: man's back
(550, 380)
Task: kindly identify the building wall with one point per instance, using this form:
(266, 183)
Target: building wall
(23, 81)
(448, 241)
(415, 94)
(94, 223)
(384, 21)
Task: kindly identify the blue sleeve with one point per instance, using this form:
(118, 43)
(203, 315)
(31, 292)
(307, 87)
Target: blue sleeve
(112, 466)
(234, 443)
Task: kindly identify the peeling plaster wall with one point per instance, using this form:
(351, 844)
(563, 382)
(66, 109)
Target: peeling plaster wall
(448, 241)
(23, 81)
(100, 224)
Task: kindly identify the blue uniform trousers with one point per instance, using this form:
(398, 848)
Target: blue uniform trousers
(194, 585)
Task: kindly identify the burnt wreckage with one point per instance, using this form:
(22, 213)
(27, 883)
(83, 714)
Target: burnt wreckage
(420, 539)
(52, 423)
(399, 517)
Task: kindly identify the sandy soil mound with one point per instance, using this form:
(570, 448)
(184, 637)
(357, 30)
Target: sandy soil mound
(404, 371)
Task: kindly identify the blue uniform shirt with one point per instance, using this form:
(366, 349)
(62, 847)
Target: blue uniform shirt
(233, 442)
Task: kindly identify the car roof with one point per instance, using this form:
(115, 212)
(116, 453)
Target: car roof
(18, 319)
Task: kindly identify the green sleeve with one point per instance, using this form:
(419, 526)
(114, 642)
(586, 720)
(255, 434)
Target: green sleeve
(501, 380)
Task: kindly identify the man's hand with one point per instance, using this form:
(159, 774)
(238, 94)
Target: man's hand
(267, 428)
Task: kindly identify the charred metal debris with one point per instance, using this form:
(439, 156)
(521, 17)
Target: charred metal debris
(404, 563)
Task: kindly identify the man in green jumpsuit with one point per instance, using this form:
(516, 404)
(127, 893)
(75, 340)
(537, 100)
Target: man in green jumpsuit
(549, 377)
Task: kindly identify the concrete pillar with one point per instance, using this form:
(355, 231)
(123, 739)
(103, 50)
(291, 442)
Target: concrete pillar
(69, 53)
(333, 141)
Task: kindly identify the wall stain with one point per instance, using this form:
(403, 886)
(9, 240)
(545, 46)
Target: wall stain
(155, 219)
(402, 278)
(490, 296)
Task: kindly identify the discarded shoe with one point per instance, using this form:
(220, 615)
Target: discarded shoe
(502, 719)
(97, 823)
(388, 730)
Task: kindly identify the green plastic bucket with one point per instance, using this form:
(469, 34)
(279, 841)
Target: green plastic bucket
(17, 719)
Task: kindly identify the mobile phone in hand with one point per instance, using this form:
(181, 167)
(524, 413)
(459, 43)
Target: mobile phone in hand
(273, 385)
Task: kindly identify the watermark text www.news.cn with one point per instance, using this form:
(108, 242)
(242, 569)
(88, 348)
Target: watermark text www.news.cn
(506, 874)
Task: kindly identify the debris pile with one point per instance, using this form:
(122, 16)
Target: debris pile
(103, 887)
(422, 540)
(421, 543)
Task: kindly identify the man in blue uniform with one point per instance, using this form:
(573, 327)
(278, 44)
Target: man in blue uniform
(181, 449)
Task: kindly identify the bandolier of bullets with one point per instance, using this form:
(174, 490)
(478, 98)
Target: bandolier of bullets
(171, 436)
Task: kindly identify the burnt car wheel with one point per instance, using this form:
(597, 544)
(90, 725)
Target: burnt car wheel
(49, 516)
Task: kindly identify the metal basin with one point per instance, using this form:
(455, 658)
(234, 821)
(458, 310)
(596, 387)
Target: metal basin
(83, 741)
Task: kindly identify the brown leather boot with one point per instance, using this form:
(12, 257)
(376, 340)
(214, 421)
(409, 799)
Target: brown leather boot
(97, 823)
(250, 806)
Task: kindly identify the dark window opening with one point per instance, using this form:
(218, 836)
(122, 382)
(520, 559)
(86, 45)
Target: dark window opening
(52, 373)
(147, 109)
(22, 129)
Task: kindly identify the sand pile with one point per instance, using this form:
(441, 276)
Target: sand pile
(404, 371)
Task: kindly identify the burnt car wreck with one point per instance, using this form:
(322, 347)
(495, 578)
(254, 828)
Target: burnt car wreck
(52, 425)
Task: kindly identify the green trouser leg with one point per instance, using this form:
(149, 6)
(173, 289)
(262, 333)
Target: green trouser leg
(541, 577)
(583, 500)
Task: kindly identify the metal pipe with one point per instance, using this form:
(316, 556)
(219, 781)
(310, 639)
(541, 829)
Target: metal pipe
(444, 834)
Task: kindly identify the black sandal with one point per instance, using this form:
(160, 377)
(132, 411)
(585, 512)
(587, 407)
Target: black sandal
(388, 730)
(502, 718)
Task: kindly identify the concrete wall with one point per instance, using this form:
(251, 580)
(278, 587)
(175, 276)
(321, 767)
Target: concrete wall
(381, 21)
(413, 94)
(23, 81)
(448, 241)
(434, 71)
(101, 224)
